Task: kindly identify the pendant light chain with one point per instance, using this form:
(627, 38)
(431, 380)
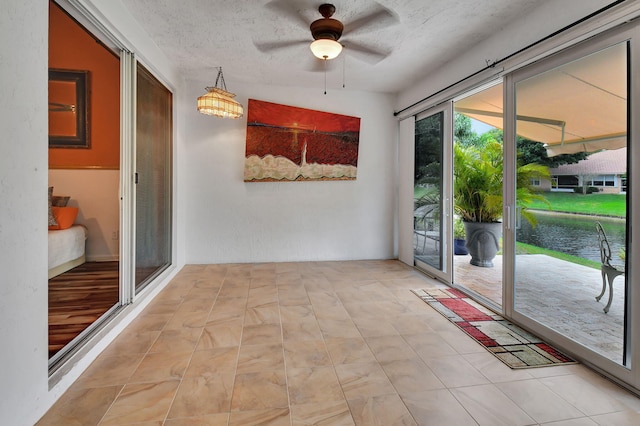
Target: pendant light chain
(221, 77)
(344, 78)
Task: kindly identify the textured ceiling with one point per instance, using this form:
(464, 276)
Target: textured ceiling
(200, 35)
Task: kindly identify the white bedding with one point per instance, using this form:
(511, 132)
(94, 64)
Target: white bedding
(66, 246)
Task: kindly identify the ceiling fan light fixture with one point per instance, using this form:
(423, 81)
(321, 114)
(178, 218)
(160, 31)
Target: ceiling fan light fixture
(219, 102)
(326, 48)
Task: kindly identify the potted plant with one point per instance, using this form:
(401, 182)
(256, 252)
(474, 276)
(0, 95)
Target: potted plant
(459, 237)
(477, 188)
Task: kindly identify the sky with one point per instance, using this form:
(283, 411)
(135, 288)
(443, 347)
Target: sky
(479, 127)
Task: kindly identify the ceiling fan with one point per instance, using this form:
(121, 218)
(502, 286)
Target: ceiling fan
(326, 32)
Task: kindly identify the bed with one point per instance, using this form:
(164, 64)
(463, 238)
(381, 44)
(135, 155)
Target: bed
(66, 249)
(66, 239)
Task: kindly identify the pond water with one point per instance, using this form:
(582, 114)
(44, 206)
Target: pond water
(573, 234)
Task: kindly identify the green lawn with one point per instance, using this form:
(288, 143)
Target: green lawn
(522, 248)
(595, 204)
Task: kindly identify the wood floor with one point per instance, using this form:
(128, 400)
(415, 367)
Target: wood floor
(78, 298)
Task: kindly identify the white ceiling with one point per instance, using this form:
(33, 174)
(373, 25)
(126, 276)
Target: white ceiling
(200, 35)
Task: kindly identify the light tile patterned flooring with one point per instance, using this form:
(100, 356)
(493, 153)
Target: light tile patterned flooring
(319, 343)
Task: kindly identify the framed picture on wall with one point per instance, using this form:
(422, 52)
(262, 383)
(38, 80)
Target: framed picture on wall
(287, 143)
(68, 109)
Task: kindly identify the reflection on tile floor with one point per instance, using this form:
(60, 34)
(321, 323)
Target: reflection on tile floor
(318, 343)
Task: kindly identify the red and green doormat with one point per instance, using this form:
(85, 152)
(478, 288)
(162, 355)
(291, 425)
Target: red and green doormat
(508, 342)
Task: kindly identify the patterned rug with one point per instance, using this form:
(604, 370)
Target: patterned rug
(508, 342)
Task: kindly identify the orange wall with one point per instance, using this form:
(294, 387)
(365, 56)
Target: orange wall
(71, 47)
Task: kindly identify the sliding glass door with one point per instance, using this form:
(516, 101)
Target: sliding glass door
(477, 179)
(557, 134)
(570, 277)
(84, 280)
(140, 187)
(154, 131)
(431, 193)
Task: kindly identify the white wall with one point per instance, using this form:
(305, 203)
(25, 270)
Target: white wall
(24, 386)
(228, 220)
(23, 224)
(95, 193)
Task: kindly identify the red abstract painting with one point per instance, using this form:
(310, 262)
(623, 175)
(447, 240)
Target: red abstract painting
(286, 143)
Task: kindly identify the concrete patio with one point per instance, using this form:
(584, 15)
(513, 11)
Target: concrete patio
(557, 293)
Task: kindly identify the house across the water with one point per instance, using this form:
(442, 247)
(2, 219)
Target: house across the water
(604, 170)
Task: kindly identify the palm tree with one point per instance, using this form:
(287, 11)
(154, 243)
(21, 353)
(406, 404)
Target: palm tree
(477, 192)
(477, 183)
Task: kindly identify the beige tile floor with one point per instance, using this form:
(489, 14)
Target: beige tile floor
(321, 343)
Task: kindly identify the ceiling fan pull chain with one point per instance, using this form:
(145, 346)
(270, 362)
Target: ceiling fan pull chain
(325, 76)
(344, 60)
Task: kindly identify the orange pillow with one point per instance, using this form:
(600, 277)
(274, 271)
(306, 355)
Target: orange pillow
(65, 216)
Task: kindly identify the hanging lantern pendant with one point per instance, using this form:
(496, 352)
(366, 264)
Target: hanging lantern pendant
(218, 101)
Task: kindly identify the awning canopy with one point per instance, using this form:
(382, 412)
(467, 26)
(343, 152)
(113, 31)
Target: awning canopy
(580, 106)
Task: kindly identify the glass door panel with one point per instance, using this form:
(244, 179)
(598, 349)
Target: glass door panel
(477, 173)
(85, 291)
(572, 118)
(153, 178)
(429, 195)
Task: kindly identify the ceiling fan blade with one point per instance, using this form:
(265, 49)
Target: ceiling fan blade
(269, 46)
(288, 9)
(365, 53)
(376, 20)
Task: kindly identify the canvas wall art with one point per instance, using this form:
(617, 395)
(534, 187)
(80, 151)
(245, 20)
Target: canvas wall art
(286, 143)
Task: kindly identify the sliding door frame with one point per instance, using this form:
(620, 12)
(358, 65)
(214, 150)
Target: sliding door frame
(127, 168)
(141, 172)
(628, 376)
(446, 203)
(69, 357)
(616, 25)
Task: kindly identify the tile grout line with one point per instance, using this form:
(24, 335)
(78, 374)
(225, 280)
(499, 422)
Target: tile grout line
(324, 342)
(194, 348)
(284, 357)
(244, 319)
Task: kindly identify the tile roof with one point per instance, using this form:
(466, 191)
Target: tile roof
(607, 162)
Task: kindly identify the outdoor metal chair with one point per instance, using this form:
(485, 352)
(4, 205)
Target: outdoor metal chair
(609, 271)
(425, 225)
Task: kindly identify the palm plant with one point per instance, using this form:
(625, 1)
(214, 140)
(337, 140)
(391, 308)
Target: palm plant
(459, 232)
(477, 183)
(428, 195)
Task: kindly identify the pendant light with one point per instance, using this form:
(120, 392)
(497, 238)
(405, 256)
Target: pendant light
(218, 101)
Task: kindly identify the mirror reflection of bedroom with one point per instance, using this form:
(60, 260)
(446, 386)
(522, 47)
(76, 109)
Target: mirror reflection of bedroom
(84, 182)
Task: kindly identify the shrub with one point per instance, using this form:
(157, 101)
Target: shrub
(587, 190)
(459, 233)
